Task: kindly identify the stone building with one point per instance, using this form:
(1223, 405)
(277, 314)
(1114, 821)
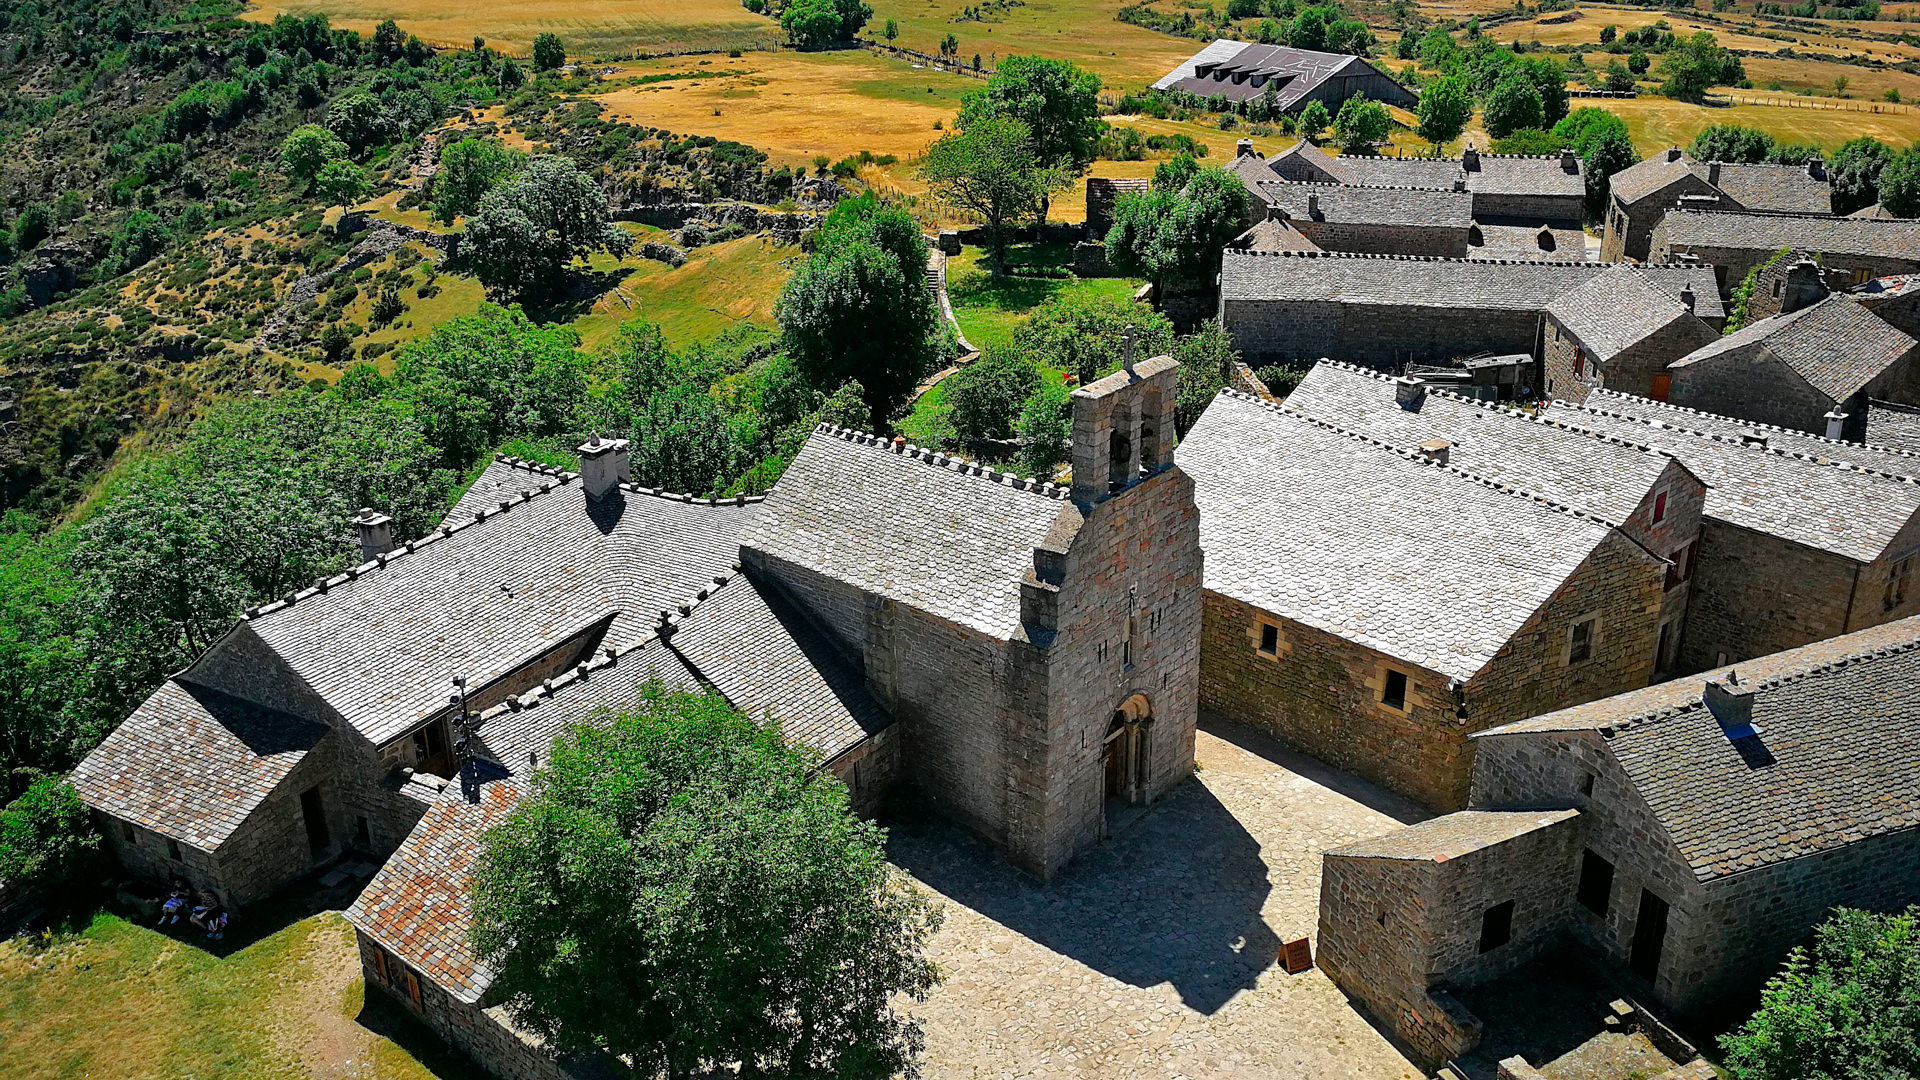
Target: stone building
(1102, 193)
(1803, 538)
(1655, 499)
(1790, 281)
(1373, 221)
(1639, 196)
(1507, 189)
(1388, 311)
(1241, 71)
(1691, 832)
(1620, 330)
(1371, 604)
(1812, 368)
(1025, 655)
(1895, 299)
(1861, 249)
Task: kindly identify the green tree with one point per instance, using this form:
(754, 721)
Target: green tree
(1362, 125)
(811, 24)
(342, 183)
(308, 149)
(1855, 172)
(1550, 80)
(1313, 121)
(1206, 357)
(533, 224)
(1687, 72)
(987, 396)
(1514, 104)
(854, 15)
(891, 31)
(50, 708)
(388, 40)
(1900, 184)
(1601, 140)
(142, 237)
(1607, 34)
(858, 308)
(47, 840)
(1309, 30)
(1444, 109)
(1045, 428)
(1845, 1008)
(1638, 63)
(1618, 78)
(356, 118)
(548, 53)
(1175, 236)
(1350, 36)
(1084, 335)
(992, 169)
(1732, 142)
(681, 887)
(34, 225)
(1057, 101)
(482, 379)
(468, 170)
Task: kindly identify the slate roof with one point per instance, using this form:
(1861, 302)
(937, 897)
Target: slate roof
(1771, 232)
(1318, 160)
(381, 642)
(1674, 277)
(1894, 427)
(1836, 760)
(1876, 211)
(1853, 512)
(1399, 280)
(1424, 562)
(192, 763)
(1270, 235)
(1296, 71)
(1605, 476)
(1882, 459)
(950, 538)
(1780, 189)
(1348, 205)
(419, 907)
(1836, 345)
(1523, 242)
(1620, 308)
(1498, 174)
(1451, 836)
(1649, 177)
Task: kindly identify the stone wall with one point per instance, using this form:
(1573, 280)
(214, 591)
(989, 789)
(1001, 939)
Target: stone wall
(1752, 384)
(1384, 336)
(270, 848)
(1629, 231)
(1730, 264)
(1559, 350)
(1102, 192)
(870, 769)
(1503, 208)
(1437, 240)
(1536, 871)
(1632, 370)
(1755, 594)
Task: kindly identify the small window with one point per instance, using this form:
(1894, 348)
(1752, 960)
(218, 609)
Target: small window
(380, 965)
(1496, 926)
(1720, 659)
(1680, 565)
(1586, 783)
(1579, 361)
(1580, 641)
(1393, 690)
(173, 851)
(1596, 883)
(127, 832)
(1270, 639)
(1777, 285)
(1660, 508)
(1897, 576)
(1126, 646)
(362, 831)
(413, 989)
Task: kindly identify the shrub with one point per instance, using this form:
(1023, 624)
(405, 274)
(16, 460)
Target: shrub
(987, 396)
(47, 839)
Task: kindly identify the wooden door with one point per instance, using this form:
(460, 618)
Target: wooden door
(1662, 386)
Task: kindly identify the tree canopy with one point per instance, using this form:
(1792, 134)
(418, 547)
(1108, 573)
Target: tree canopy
(468, 170)
(815, 24)
(548, 53)
(307, 150)
(682, 887)
(1513, 104)
(1600, 139)
(991, 168)
(1900, 184)
(533, 224)
(1361, 125)
(1845, 1008)
(1445, 107)
(1057, 102)
(1686, 73)
(1174, 232)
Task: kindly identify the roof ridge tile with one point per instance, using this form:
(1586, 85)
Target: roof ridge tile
(941, 460)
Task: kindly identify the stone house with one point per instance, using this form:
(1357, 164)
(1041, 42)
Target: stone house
(1620, 330)
(1895, 299)
(1374, 221)
(1691, 832)
(1655, 499)
(1802, 539)
(1241, 71)
(1387, 311)
(1860, 249)
(1507, 189)
(1370, 604)
(1790, 281)
(1270, 235)
(1812, 368)
(1640, 195)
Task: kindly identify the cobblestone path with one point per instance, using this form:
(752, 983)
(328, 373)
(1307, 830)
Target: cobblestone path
(1154, 955)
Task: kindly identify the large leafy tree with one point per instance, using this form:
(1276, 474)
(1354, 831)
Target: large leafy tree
(1732, 142)
(1900, 184)
(993, 170)
(308, 150)
(1845, 1008)
(1445, 107)
(1687, 72)
(1174, 233)
(47, 839)
(987, 395)
(548, 52)
(468, 170)
(858, 308)
(1513, 105)
(1601, 140)
(48, 712)
(683, 888)
(532, 226)
(1057, 101)
(1855, 171)
(1361, 125)
(482, 379)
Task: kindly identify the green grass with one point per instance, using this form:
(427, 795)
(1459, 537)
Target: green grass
(988, 308)
(119, 1000)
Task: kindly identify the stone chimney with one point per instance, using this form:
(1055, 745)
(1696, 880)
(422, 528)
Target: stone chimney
(1409, 393)
(1243, 148)
(1816, 169)
(1123, 426)
(1836, 425)
(1436, 450)
(1544, 239)
(1731, 703)
(1803, 288)
(1459, 183)
(1313, 205)
(1470, 159)
(603, 465)
(376, 533)
(1673, 153)
(1569, 164)
(1713, 173)
(1686, 295)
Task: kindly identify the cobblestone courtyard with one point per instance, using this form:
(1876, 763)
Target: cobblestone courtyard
(1154, 955)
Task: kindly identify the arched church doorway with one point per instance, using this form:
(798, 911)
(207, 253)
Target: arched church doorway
(1125, 760)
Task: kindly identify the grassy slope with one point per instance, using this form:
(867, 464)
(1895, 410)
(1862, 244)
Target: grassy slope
(589, 27)
(128, 1002)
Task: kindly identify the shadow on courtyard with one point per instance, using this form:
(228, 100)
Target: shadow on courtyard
(1373, 797)
(1176, 898)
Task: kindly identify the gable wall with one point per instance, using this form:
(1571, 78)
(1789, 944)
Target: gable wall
(1753, 384)
(1383, 336)
(1629, 229)
(1633, 368)
(1755, 594)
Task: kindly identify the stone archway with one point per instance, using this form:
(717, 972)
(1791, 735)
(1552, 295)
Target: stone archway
(1124, 760)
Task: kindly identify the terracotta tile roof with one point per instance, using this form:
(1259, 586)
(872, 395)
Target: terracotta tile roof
(1451, 836)
(1622, 307)
(1607, 476)
(1836, 345)
(419, 907)
(192, 763)
(1771, 232)
(1428, 563)
(1836, 760)
(949, 538)
(1798, 496)
(482, 598)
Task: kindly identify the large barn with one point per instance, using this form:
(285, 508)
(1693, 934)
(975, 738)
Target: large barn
(1242, 71)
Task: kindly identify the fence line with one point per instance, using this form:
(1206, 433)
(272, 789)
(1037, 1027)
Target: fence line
(1828, 104)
